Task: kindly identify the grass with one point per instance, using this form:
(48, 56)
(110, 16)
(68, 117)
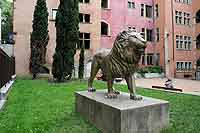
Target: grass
(41, 107)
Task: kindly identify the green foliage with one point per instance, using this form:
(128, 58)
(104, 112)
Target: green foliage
(67, 20)
(81, 63)
(151, 69)
(39, 36)
(7, 21)
(40, 107)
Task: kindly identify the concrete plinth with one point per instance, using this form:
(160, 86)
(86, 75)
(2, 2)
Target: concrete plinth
(122, 115)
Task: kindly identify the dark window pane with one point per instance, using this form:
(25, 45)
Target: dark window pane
(80, 17)
(149, 35)
(129, 5)
(148, 11)
(143, 60)
(87, 1)
(87, 18)
(198, 42)
(81, 1)
(87, 35)
(142, 9)
(80, 44)
(104, 28)
(81, 35)
(87, 44)
(104, 3)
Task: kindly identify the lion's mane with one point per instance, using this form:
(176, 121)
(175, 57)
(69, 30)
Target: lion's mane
(119, 62)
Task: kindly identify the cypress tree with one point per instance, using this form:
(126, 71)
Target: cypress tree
(39, 37)
(81, 63)
(67, 38)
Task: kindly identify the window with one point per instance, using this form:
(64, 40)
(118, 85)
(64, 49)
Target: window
(183, 66)
(84, 40)
(54, 11)
(157, 60)
(185, 18)
(198, 42)
(142, 9)
(104, 3)
(156, 11)
(157, 34)
(198, 17)
(188, 19)
(182, 18)
(149, 59)
(143, 59)
(177, 17)
(104, 28)
(148, 11)
(84, 18)
(177, 41)
(149, 35)
(84, 1)
(189, 43)
(131, 5)
(143, 33)
(189, 2)
(183, 42)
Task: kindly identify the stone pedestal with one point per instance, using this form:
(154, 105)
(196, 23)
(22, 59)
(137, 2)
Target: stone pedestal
(122, 115)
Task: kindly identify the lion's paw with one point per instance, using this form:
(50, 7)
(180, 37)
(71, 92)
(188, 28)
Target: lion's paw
(111, 95)
(116, 92)
(91, 90)
(136, 98)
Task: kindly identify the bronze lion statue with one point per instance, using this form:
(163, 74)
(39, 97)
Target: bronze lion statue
(121, 62)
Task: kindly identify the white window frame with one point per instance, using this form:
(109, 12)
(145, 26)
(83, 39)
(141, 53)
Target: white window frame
(184, 65)
(183, 42)
(84, 22)
(108, 27)
(132, 4)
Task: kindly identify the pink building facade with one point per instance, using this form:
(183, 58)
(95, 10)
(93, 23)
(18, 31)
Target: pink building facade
(118, 15)
(169, 26)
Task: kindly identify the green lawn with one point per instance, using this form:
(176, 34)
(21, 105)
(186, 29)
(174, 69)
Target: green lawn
(38, 107)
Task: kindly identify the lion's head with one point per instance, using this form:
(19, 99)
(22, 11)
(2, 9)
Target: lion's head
(129, 46)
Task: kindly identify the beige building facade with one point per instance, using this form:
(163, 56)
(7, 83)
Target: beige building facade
(23, 16)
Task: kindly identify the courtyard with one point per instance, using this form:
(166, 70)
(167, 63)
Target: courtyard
(52, 50)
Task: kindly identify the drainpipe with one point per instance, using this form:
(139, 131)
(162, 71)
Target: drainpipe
(0, 25)
(172, 10)
(154, 35)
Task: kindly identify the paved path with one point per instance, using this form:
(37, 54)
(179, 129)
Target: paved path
(188, 86)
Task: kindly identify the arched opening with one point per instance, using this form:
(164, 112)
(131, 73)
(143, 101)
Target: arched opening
(198, 17)
(198, 70)
(104, 29)
(198, 62)
(104, 3)
(198, 42)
